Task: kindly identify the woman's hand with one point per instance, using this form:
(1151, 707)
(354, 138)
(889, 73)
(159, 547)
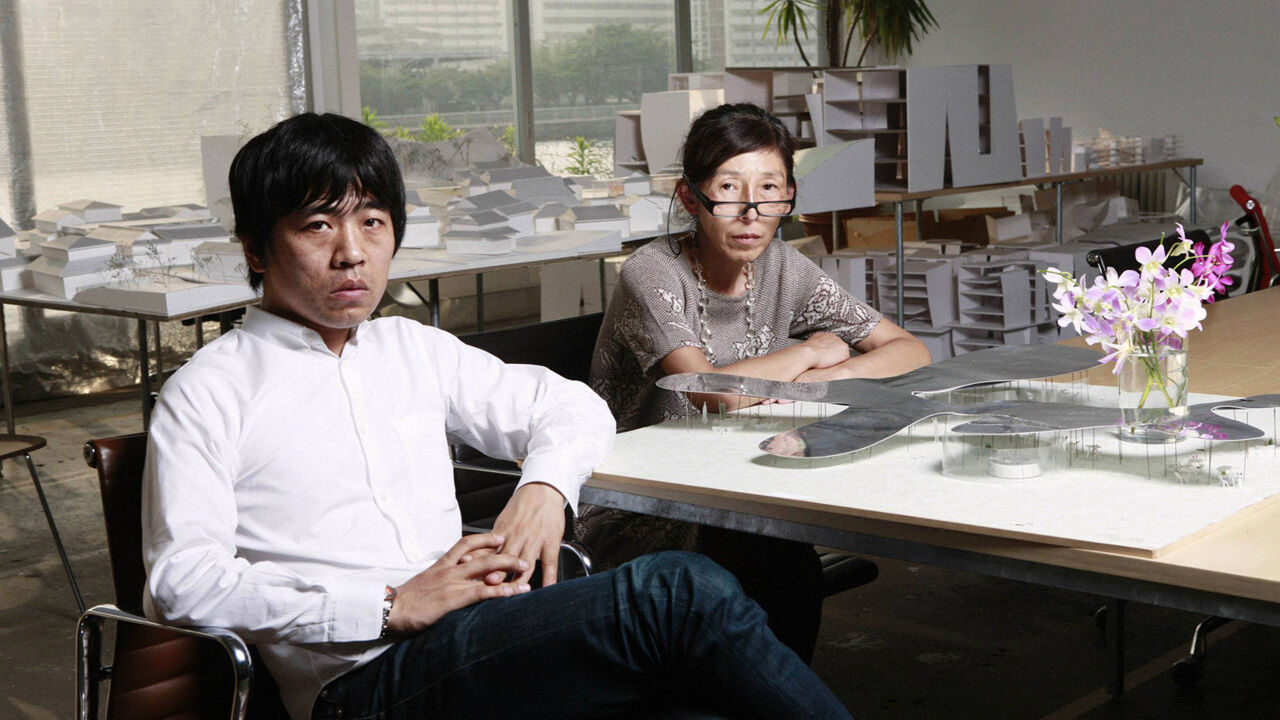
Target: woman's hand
(828, 349)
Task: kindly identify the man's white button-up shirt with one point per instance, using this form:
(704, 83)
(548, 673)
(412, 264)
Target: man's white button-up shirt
(287, 485)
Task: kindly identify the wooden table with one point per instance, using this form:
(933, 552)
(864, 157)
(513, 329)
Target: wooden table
(898, 197)
(1231, 571)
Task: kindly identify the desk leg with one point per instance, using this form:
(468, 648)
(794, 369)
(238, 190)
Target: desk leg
(897, 227)
(144, 366)
(604, 297)
(433, 297)
(919, 224)
(479, 302)
(1114, 670)
(1057, 228)
(4, 371)
(159, 353)
(199, 332)
(1191, 181)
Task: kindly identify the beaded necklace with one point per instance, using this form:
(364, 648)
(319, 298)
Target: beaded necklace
(752, 347)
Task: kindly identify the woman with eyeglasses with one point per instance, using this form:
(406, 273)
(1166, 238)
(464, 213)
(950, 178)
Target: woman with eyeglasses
(724, 296)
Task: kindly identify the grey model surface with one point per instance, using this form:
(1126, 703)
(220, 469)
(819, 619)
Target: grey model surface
(879, 408)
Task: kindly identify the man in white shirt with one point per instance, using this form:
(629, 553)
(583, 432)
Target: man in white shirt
(299, 491)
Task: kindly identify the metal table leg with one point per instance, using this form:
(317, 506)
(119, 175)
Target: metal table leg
(1057, 230)
(433, 298)
(604, 296)
(897, 226)
(1191, 181)
(4, 372)
(1114, 669)
(479, 302)
(919, 223)
(159, 353)
(144, 366)
(199, 332)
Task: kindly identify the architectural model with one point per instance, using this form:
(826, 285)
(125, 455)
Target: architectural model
(421, 227)
(71, 262)
(165, 294)
(878, 409)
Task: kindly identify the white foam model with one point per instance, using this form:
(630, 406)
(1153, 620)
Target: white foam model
(220, 262)
(167, 295)
(421, 229)
(665, 119)
(835, 176)
(69, 263)
(944, 112)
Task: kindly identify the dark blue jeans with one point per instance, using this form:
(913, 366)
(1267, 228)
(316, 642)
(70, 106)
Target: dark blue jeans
(670, 629)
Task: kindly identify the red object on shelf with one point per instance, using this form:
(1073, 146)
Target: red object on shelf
(1269, 267)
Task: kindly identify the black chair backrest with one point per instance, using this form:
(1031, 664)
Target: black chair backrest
(564, 345)
(158, 673)
(119, 462)
(1121, 257)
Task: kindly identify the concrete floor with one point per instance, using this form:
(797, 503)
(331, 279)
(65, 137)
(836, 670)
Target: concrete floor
(918, 643)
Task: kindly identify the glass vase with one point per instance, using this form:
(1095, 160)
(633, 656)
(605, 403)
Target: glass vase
(1153, 395)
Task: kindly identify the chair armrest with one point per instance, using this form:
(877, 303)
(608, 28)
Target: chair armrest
(90, 671)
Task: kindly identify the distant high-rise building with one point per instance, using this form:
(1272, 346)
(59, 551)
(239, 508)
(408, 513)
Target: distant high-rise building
(554, 20)
(433, 30)
(730, 33)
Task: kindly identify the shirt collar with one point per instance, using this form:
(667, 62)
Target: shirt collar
(289, 334)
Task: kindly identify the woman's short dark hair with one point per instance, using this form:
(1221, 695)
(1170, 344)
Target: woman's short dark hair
(723, 132)
(305, 163)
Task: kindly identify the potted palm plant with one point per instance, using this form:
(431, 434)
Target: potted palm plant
(891, 24)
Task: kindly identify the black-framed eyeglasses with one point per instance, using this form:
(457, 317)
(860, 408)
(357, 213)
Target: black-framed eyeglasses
(738, 208)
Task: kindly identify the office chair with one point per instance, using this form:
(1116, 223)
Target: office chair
(565, 346)
(1120, 257)
(157, 671)
(160, 671)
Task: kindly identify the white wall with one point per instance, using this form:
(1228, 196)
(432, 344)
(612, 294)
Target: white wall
(1207, 72)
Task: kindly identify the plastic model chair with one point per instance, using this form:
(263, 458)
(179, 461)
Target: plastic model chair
(12, 446)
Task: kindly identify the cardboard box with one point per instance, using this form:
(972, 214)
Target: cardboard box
(878, 232)
(972, 229)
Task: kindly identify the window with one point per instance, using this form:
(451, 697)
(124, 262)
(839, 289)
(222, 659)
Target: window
(118, 95)
(432, 69)
(591, 60)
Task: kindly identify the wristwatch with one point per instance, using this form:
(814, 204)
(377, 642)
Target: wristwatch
(388, 599)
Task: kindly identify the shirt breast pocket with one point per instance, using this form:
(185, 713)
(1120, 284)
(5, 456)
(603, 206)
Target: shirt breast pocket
(421, 429)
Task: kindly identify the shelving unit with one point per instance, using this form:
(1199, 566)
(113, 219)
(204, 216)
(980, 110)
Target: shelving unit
(872, 104)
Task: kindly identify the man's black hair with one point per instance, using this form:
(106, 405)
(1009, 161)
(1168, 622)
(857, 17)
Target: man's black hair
(310, 162)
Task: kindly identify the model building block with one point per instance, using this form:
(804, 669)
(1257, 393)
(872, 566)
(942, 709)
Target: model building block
(69, 263)
(220, 262)
(421, 228)
(965, 114)
(665, 119)
(836, 176)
